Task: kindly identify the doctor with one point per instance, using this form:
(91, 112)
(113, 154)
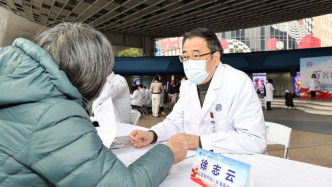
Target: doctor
(313, 85)
(149, 96)
(135, 97)
(269, 94)
(218, 107)
(116, 88)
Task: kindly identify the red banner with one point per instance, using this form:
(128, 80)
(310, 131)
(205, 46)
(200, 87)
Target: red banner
(169, 43)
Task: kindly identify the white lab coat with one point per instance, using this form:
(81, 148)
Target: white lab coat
(116, 88)
(182, 80)
(143, 92)
(239, 124)
(269, 92)
(136, 97)
(148, 98)
(313, 84)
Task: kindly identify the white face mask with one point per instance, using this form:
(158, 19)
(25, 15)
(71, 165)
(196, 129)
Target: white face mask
(195, 70)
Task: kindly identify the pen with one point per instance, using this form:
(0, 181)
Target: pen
(213, 123)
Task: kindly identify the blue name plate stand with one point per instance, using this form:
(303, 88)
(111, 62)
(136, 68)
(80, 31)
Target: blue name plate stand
(211, 169)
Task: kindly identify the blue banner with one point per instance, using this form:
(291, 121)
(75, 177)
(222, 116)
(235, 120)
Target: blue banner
(158, 50)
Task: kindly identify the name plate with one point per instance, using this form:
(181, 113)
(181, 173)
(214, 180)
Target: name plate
(211, 169)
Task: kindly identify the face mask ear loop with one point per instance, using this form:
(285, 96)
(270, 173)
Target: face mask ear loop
(212, 69)
(210, 57)
(87, 106)
(213, 66)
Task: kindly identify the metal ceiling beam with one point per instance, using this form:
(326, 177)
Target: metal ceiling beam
(167, 18)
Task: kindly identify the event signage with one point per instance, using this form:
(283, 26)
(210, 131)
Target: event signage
(322, 67)
(297, 83)
(158, 50)
(259, 80)
(211, 169)
(169, 43)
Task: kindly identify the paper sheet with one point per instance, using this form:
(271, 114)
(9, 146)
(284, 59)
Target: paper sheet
(124, 153)
(104, 114)
(121, 142)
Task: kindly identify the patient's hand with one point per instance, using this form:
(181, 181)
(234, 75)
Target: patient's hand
(191, 140)
(179, 150)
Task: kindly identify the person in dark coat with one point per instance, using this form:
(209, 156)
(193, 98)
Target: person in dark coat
(289, 100)
(46, 136)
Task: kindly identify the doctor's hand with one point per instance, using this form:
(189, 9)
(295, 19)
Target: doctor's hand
(140, 138)
(179, 150)
(191, 140)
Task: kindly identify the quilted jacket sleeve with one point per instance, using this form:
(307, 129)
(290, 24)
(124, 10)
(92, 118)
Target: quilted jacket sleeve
(66, 150)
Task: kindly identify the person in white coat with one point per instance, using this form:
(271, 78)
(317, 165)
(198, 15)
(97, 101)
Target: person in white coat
(135, 97)
(143, 92)
(116, 88)
(218, 108)
(149, 97)
(313, 85)
(269, 94)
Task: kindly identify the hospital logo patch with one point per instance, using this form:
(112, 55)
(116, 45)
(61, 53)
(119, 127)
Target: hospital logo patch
(218, 107)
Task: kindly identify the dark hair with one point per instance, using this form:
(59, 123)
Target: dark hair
(144, 87)
(156, 78)
(207, 34)
(269, 80)
(313, 75)
(133, 88)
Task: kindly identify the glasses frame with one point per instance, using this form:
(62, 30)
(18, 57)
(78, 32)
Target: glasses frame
(181, 56)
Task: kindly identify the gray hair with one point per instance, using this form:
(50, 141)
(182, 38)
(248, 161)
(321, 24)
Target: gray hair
(82, 52)
(207, 34)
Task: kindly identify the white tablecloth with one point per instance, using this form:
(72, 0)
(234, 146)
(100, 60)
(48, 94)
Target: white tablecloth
(266, 170)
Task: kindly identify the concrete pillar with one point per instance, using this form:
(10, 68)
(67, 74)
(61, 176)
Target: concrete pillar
(13, 26)
(148, 46)
(122, 41)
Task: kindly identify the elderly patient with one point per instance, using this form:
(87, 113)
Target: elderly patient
(46, 136)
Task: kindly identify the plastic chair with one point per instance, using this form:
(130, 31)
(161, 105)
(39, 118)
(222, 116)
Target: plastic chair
(278, 134)
(135, 115)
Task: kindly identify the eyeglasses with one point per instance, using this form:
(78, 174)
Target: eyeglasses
(194, 56)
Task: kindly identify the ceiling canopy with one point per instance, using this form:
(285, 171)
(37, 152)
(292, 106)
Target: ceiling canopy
(167, 18)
